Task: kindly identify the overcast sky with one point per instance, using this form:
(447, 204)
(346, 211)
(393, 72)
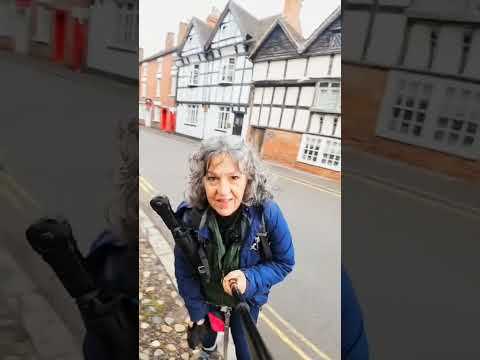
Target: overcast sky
(157, 17)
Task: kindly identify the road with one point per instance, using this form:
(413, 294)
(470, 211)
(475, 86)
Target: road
(57, 141)
(309, 299)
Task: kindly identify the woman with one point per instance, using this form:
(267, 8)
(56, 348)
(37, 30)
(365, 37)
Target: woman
(228, 192)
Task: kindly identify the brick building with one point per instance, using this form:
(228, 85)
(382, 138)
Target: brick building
(295, 107)
(422, 102)
(157, 85)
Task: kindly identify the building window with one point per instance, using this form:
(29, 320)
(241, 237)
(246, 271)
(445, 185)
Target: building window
(321, 151)
(144, 89)
(328, 96)
(192, 115)
(227, 70)
(336, 40)
(43, 27)
(452, 126)
(224, 122)
(126, 26)
(194, 75)
(145, 69)
(157, 93)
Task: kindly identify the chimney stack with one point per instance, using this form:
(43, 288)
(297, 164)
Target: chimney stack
(291, 13)
(182, 31)
(169, 40)
(213, 17)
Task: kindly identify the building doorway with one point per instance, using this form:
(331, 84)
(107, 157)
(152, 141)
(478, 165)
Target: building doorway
(60, 27)
(237, 123)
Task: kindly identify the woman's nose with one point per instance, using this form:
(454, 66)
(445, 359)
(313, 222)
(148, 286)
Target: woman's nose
(223, 187)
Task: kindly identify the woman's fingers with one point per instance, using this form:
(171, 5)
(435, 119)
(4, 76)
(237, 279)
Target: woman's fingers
(234, 277)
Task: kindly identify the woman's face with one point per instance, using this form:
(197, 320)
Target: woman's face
(224, 185)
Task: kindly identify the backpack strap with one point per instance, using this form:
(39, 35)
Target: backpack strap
(203, 268)
(265, 249)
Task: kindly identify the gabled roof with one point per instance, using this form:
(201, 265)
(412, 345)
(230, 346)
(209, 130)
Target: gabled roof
(202, 29)
(247, 23)
(264, 24)
(323, 26)
(158, 55)
(295, 38)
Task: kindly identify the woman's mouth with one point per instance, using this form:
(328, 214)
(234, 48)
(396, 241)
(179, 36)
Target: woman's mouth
(223, 203)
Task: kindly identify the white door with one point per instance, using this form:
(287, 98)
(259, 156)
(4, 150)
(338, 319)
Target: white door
(148, 117)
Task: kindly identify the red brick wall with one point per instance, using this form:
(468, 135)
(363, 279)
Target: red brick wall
(283, 146)
(360, 107)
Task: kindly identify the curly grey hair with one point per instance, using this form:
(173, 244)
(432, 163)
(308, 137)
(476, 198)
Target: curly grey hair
(258, 188)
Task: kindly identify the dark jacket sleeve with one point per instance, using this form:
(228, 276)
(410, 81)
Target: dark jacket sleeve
(354, 338)
(261, 277)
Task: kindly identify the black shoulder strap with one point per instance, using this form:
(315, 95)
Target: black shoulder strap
(265, 250)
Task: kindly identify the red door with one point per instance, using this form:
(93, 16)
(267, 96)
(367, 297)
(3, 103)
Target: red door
(164, 119)
(171, 128)
(79, 44)
(60, 26)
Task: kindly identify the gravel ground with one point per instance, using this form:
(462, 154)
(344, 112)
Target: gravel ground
(163, 317)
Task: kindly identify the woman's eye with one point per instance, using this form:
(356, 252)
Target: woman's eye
(211, 178)
(235, 177)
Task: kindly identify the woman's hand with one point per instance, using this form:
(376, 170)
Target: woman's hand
(235, 277)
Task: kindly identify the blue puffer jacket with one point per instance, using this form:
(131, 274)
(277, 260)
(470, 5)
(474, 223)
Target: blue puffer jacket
(260, 276)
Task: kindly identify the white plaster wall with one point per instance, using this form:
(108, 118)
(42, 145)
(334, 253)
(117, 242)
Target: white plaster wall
(292, 93)
(267, 95)
(287, 118)
(449, 50)
(327, 127)
(393, 25)
(260, 71)
(245, 94)
(255, 115)
(301, 120)
(257, 96)
(306, 96)
(336, 66)
(278, 95)
(318, 66)
(355, 34)
(275, 117)
(100, 57)
(264, 116)
(276, 70)
(315, 124)
(296, 69)
(247, 77)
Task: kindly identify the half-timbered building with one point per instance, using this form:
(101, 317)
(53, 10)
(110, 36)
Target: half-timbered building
(295, 112)
(422, 102)
(214, 74)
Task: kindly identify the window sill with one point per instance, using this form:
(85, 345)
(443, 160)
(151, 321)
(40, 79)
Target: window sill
(225, 82)
(192, 85)
(221, 130)
(190, 124)
(325, 111)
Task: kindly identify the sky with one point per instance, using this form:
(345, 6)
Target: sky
(157, 17)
